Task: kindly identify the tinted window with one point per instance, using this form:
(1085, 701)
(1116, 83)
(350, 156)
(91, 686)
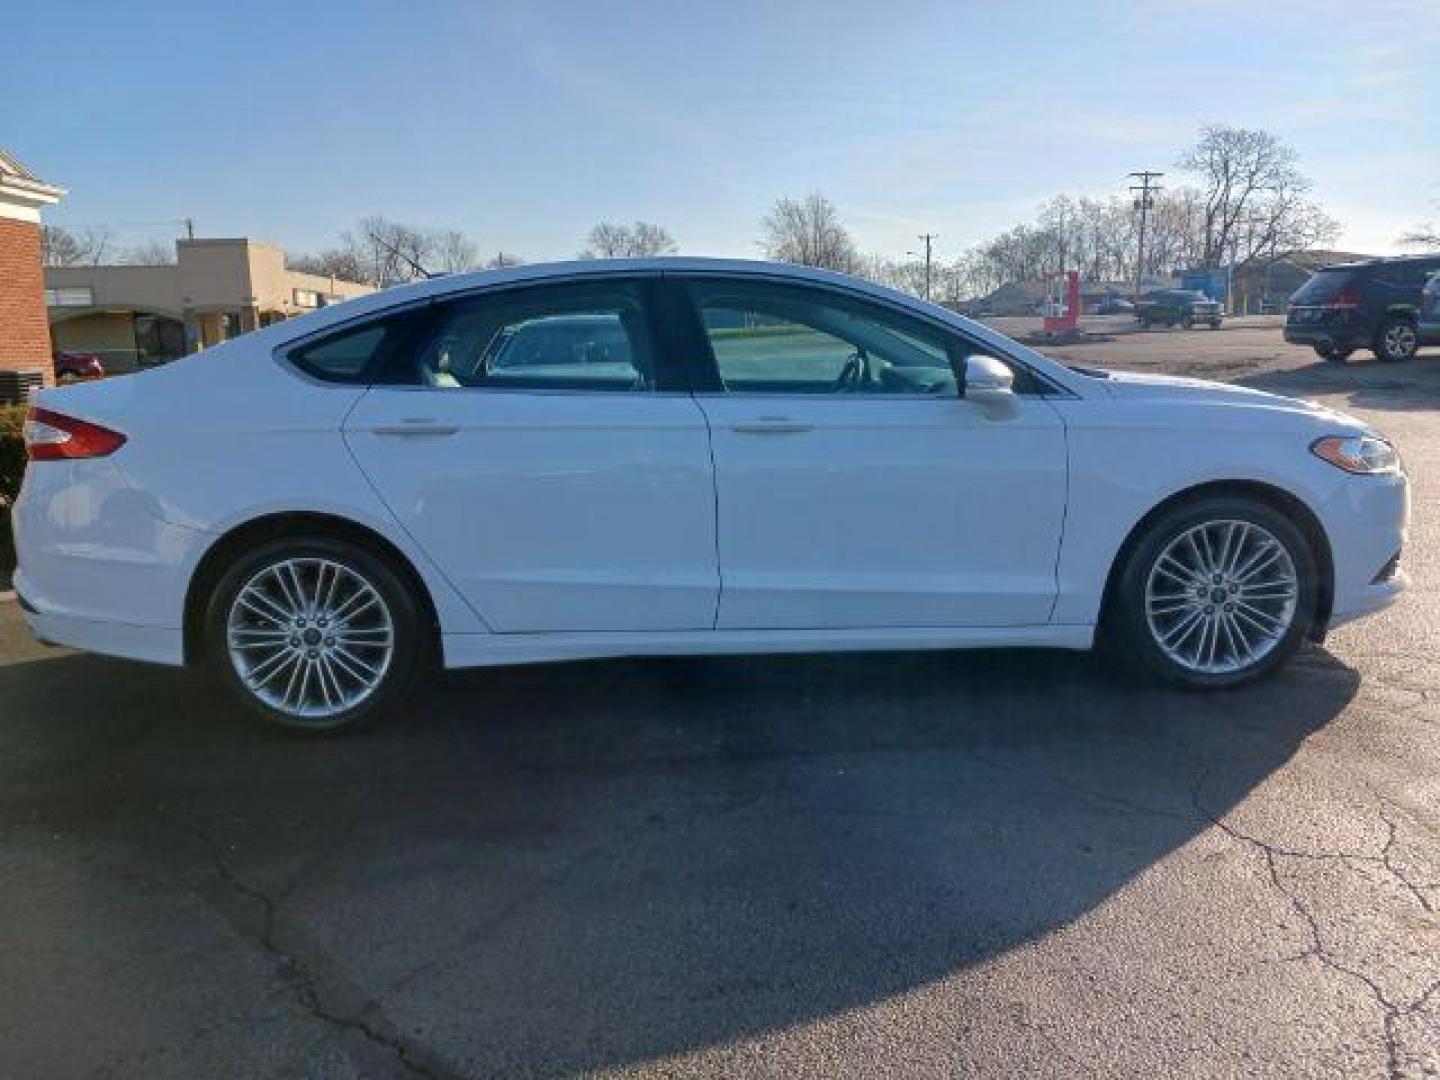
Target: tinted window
(770, 338)
(345, 357)
(582, 337)
(1323, 287)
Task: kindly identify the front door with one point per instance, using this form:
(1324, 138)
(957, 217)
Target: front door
(533, 451)
(855, 487)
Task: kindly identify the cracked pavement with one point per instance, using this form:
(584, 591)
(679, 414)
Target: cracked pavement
(882, 865)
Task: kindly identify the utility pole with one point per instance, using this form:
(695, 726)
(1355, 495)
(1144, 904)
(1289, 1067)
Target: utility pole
(189, 228)
(928, 238)
(1142, 203)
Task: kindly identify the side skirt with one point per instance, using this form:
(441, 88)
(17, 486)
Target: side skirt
(490, 650)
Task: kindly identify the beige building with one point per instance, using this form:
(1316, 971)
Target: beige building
(132, 316)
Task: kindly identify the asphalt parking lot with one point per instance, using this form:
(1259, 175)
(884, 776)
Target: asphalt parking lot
(880, 865)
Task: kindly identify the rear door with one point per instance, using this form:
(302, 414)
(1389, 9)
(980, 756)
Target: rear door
(535, 447)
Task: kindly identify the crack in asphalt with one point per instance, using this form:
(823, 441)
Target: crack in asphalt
(298, 978)
(1393, 1011)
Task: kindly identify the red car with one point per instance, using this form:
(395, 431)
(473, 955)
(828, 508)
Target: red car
(70, 366)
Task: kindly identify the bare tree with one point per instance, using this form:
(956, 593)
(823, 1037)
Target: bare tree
(149, 253)
(1253, 195)
(808, 232)
(454, 251)
(1426, 235)
(608, 240)
(342, 263)
(501, 259)
(60, 247)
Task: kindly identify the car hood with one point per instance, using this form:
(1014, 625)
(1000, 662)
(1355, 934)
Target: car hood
(1131, 386)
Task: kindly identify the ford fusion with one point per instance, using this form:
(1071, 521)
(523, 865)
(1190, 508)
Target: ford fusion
(679, 456)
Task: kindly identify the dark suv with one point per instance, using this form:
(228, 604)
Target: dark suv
(1373, 305)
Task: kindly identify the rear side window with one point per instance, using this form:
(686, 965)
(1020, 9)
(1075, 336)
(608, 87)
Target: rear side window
(1323, 287)
(348, 356)
(563, 337)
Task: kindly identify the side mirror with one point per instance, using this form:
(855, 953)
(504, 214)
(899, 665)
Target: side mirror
(991, 385)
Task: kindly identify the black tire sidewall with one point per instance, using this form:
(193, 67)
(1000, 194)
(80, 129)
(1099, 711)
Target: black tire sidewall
(1130, 630)
(404, 614)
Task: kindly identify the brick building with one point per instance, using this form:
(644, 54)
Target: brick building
(24, 328)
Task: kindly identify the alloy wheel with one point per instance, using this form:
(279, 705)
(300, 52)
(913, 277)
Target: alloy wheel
(1221, 596)
(1400, 341)
(310, 637)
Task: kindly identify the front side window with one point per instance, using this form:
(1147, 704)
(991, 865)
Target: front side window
(566, 337)
(786, 339)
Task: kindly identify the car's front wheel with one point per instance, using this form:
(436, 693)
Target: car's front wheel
(1216, 592)
(314, 633)
(1397, 339)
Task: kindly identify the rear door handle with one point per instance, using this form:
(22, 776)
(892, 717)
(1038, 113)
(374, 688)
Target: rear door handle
(416, 427)
(771, 425)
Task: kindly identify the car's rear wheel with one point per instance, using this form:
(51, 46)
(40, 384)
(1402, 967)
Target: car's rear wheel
(1333, 353)
(1397, 339)
(1216, 592)
(314, 633)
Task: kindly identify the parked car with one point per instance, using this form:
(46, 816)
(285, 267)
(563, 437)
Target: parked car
(1178, 307)
(1373, 304)
(1115, 306)
(793, 461)
(1429, 328)
(70, 366)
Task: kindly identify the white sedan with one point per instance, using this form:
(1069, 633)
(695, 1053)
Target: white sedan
(680, 456)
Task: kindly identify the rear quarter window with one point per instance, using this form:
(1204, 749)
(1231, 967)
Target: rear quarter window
(1323, 287)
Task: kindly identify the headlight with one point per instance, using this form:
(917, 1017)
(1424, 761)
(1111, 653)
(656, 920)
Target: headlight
(1357, 453)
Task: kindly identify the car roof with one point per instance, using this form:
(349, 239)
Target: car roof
(1386, 260)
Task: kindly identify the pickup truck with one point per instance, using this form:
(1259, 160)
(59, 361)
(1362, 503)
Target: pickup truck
(1178, 307)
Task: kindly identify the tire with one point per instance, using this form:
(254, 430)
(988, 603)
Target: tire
(1397, 339)
(1214, 324)
(318, 681)
(1187, 322)
(1149, 605)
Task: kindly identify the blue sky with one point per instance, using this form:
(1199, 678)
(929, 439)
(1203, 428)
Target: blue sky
(523, 124)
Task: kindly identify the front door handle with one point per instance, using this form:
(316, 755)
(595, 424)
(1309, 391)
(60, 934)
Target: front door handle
(771, 425)
(416, 427)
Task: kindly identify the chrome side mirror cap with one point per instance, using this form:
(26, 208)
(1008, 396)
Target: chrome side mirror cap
(990, 384)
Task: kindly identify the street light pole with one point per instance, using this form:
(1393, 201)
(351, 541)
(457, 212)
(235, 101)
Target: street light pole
(1143, 204)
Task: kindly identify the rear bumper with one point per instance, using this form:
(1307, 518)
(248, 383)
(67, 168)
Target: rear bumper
(1342, 337)
(98, 568)
(153, 644)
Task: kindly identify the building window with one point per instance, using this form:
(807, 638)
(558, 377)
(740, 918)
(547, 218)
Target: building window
(74, 296)
(307, 298)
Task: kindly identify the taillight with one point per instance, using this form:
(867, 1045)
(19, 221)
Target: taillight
(52, 436)
(1347, 301)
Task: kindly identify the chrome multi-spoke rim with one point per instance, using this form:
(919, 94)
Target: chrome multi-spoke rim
(310, 637)
(1400, 339)
(1221, 596)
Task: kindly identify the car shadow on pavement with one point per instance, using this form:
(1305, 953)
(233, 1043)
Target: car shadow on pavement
(553, 869)
(1367, 383)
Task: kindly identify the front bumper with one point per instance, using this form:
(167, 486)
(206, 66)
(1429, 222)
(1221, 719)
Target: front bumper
(1367, 525)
